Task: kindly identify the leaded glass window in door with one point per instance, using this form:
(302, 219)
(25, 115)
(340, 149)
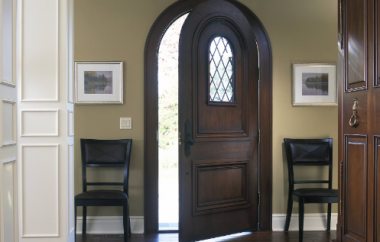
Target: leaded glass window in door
(222, 80)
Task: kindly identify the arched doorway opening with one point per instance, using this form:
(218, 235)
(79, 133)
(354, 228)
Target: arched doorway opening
(263, 99)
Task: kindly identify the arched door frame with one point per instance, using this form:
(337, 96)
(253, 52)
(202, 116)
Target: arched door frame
(151, 112)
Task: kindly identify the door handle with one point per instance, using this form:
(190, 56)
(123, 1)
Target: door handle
(354, 120)
(188, 140)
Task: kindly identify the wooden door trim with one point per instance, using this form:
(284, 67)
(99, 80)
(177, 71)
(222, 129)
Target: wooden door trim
(151, 112)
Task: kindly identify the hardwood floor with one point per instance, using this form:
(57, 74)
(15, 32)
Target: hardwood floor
(313, 236)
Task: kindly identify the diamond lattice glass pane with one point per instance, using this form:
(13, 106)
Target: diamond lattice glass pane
(212, 68)
(216, 58)
(212, 90)
(222, 80)
(225, 80)
(229, 91)
(216, 80)
(229, 69)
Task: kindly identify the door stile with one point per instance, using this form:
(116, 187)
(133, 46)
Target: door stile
(259, 136)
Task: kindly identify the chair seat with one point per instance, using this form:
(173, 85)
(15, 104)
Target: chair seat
(316, 192)
(102, 195)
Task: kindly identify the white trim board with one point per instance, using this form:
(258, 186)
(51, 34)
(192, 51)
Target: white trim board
(110, 225)
(312, 222)
(10, 160)
(114, 224)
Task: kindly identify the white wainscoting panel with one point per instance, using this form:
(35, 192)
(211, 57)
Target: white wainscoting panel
(312, 222)
(110, 224)
(44, 56)
(70, 176)
(8, 122)
(39, 50)
(8, 200)
(39, 191)
(39, 122)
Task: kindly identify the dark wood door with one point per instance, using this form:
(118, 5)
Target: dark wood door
(359, 105)
(218, 86)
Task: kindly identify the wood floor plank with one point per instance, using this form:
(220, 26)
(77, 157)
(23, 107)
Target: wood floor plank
(309, 236)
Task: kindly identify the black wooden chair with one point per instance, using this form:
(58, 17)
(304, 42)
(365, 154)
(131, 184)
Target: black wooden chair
(105, 153)
(309, 152)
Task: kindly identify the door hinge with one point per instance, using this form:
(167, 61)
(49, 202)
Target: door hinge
(258, 198)
(259, 136)
(258, 74)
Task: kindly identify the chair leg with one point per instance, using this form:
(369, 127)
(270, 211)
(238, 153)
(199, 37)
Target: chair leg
(289, 212)
(130, 229)
(328, 216)
(301, 216)
(75, 223)
(126, 222)
(84, 220)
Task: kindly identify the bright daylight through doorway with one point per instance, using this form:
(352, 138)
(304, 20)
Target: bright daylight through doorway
(168, 126)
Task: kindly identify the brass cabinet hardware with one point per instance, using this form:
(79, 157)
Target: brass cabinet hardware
(354, 120)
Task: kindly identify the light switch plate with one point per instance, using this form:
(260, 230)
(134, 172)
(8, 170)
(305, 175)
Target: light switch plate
(126, 123)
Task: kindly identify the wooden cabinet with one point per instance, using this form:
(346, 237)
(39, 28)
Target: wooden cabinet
(359, 121)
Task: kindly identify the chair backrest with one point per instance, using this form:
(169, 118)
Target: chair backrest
(106, 153)
(308, 152)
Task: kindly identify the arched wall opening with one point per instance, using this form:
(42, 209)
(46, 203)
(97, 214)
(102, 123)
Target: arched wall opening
(151, 191)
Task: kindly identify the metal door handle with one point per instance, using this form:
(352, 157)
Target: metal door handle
(188, 140)
(354, 120)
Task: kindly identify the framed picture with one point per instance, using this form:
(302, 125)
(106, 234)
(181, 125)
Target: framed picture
(314, 84)
(99, 82)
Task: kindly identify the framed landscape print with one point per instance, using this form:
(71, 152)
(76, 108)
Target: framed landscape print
(314, 84)
(99, 82)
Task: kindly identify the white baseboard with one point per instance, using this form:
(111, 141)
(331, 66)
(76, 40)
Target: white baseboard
(114, 224)
(110, 225)
(312, 222)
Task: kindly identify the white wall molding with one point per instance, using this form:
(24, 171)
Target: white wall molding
(9, 143)
(70, 123)
(10, 160)
(6, 83)
(110, 225)
(25, 222)
(13, 123)
(23, 56)
(312, 222)
(38, 123)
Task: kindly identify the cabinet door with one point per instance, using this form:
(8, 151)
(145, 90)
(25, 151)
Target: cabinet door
(357, 116)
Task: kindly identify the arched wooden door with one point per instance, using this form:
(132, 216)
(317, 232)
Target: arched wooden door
(225, 120)
(218, 119)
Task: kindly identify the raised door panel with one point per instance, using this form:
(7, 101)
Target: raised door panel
(356, 187)
(220, 185)
(356, 45)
